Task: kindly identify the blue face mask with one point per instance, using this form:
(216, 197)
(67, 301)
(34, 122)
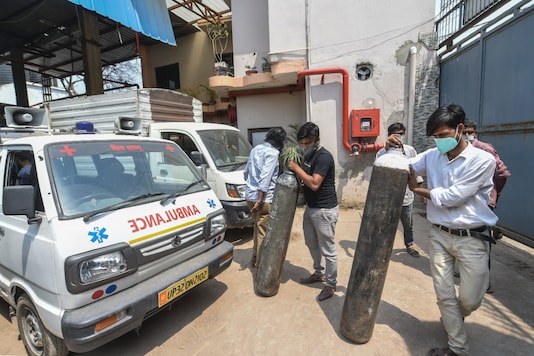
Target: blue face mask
(446, 144)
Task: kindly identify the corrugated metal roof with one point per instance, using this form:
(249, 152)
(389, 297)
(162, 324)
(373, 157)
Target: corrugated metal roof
(195, 10)
(149, 17)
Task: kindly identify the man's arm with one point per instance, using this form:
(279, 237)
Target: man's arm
(311, 181)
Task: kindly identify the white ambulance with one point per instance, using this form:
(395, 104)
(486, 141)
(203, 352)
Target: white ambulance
(99, 232)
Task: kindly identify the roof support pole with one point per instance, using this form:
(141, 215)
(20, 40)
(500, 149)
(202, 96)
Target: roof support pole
(92, 62)
(19, 77)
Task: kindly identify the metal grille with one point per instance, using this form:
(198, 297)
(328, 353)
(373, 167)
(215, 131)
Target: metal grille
(454, 15)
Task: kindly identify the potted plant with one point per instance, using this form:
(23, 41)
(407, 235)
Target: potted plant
(218, 34)
(266, 65)
(250, 70)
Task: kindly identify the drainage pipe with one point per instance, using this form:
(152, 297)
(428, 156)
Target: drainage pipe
(411, 96)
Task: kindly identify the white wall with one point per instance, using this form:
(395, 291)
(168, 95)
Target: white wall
(343, 33)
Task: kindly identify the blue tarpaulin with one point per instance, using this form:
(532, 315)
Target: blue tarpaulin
(149, 17)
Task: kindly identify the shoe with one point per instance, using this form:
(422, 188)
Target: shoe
(412, 251)
(441, 352)
(313, 278)
(326, 293)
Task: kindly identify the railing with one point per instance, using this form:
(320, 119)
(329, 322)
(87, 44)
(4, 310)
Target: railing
(457, 15)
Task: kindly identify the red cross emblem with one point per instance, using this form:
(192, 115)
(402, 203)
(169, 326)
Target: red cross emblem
(69, 151)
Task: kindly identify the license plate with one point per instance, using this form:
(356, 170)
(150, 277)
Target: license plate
(180, 287)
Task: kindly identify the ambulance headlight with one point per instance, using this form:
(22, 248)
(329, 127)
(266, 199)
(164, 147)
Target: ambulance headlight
(102, 267)
(97, 267)
(236, 190)
(217, 224)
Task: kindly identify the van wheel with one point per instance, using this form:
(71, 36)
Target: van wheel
(37, 340)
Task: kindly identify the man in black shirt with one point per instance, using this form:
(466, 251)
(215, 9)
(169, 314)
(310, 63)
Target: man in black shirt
(321, 213)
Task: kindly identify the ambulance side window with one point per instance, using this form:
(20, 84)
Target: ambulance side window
(22, 172)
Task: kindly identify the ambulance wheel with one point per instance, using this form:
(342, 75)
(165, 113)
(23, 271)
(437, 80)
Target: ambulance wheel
(37, 340)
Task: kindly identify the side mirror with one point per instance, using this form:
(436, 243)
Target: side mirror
(20, 200)
(197, 158)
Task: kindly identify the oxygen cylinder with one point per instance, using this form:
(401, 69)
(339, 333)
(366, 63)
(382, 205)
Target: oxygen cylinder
(267, 279)
(380, 218)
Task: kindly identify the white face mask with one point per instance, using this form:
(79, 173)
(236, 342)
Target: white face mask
(470, 138)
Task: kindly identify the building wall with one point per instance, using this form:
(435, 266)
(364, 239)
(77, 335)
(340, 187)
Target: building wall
(375, 32)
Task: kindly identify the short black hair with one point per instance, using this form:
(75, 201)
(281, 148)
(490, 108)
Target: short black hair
(308, 130)
(276, 136)
(398, 126)
(450, 115)
(470, 123)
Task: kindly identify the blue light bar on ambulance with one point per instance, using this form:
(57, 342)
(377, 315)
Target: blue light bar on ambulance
(84, 127)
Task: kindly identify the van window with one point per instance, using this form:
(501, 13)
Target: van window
(228, 149)
(22, 172)
(182, 140)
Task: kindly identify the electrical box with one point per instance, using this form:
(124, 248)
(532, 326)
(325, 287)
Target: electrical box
(365, 122)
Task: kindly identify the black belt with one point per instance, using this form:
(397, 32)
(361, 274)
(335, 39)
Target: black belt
(462, 232)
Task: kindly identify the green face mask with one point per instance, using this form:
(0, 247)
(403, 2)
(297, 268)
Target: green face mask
(446, 144)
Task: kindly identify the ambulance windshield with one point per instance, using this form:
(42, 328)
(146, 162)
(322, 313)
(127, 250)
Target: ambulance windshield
(95, 176)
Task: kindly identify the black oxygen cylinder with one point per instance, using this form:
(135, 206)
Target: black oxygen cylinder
(381, 216)
(273, 255)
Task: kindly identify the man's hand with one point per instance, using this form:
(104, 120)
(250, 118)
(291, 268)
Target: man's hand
(292, 164)
(412, 179)
(256, 207)
(393, 140)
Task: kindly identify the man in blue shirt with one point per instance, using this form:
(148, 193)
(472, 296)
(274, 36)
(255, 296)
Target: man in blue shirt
(24, 162)
(260, 175)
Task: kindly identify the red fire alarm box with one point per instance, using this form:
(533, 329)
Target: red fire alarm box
(365, 123)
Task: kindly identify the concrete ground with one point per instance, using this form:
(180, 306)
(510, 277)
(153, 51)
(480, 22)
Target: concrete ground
(224, 316)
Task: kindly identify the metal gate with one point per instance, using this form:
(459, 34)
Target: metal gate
(490, 72)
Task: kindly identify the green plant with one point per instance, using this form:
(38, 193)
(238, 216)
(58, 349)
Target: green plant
(266, 65)
(291, 152)
(210, 93)
(191, 92)
(218, 34)
(250, 67)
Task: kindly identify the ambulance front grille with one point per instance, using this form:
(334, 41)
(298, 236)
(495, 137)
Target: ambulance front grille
(166, 244)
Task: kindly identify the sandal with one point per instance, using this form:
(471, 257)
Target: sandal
(441, 352)
(412, 251)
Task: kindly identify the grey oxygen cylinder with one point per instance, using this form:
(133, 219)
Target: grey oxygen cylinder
(267, 279)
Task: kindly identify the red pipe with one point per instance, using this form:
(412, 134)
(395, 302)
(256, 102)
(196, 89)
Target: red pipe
(355, 147)
(345, 108)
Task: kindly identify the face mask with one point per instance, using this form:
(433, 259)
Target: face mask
(446, 144)
(470, 138)
(403, 137)
(309, 151)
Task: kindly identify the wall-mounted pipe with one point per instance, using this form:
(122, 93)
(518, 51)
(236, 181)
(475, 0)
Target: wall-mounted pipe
(411, 95)
(354, 147)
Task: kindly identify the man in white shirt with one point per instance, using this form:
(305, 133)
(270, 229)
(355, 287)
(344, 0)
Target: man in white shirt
(406, 217)
(459, 179)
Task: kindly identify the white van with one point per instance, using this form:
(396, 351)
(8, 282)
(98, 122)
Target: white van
(221, 154)
(106, 231)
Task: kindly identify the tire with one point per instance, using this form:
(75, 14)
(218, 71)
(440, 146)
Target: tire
(37, 340)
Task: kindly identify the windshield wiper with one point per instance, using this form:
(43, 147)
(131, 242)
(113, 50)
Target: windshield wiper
(122, 204)
(180, 192)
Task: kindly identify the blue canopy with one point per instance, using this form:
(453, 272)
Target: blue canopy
(149, 17)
